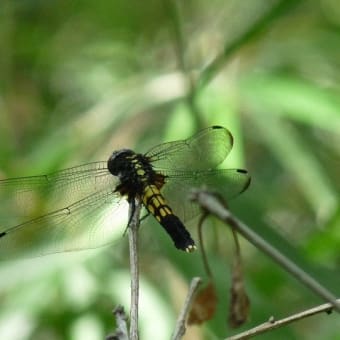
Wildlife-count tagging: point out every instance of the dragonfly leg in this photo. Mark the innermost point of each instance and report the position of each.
(144, 217)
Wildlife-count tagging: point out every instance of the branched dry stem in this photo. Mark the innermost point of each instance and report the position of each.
(213, 205)
(272, 323)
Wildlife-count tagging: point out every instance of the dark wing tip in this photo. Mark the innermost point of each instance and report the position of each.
(247, 183)
(3, 234)
(219, 127)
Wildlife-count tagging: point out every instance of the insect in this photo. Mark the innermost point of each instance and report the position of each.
(75, 208)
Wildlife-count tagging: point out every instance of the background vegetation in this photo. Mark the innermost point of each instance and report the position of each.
(79, 79)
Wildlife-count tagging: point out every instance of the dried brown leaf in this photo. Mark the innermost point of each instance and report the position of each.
(239, 301)
(204, 305)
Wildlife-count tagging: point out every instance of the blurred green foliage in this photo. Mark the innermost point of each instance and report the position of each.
(79, 79)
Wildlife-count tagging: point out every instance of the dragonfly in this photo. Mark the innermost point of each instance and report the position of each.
(75, 208)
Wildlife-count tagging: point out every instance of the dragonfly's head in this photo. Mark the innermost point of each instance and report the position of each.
(118, 160)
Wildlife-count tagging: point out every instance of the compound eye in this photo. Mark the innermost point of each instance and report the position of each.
(117, 161)
(113, 164)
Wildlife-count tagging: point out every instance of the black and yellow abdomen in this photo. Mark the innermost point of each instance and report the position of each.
(156, 205)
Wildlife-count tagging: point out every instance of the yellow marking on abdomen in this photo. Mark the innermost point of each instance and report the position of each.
(155, 203)
(167, 210)
(151, 209)
(162, 212)
(148, 192)
(160, 199)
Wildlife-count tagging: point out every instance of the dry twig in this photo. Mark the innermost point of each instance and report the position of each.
(134, 218)
(121, 332)
(180, 324)
(272, 323)
(212, 204)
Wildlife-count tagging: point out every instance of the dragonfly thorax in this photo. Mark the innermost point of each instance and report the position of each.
(133, 170)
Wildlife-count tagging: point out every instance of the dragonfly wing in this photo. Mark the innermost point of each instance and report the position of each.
(227, 182)
(205, 150)
(88, 223)
(29, 197)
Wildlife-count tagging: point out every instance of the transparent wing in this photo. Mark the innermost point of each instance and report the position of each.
(88, 223)
(205, 150)
(28, 197)
(67, 210)
(227, 182)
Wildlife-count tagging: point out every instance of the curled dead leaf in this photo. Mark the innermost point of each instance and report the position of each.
(204, 305)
